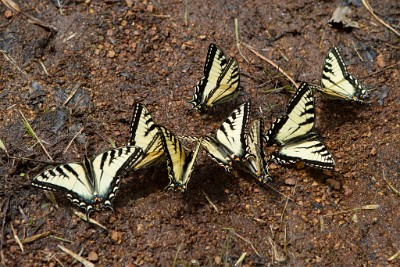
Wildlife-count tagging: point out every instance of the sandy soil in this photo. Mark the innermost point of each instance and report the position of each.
(109, 55)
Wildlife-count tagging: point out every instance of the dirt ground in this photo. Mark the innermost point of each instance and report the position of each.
(82, 78)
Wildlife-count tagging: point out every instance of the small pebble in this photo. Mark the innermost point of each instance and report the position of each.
(290, 181)
(111, 54)
(8, 14)
(93, 257)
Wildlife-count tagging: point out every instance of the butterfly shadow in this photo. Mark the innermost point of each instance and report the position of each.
(140, 184)
(339, 112)
(209, 184)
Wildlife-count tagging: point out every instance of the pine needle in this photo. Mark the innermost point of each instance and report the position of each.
(82, 260)
(240, 260)
(366, 207)
(369, 8)
(238, 39)
(16, 237)
(3, 147)
(210, 202)
(395, 256)
(389, 185)
(84, 218)
(244, 239)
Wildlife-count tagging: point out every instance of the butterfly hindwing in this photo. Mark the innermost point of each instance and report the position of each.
(220, 82)
(94, 182)
(229, 143)
(295, 136)
(146, 135)
(337, 82)
(310, 150)
(180, 163)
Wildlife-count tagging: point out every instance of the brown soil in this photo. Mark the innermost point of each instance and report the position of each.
(118, 52)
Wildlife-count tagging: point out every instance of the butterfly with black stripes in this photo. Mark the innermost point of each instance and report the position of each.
(337, 82)
(295, 135)
(220, 82)
(93, 183)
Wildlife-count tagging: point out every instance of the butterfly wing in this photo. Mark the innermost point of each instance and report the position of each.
(220, 81)
(311, 151)
(294, 134)
(180, 165)
(93, 182)
(227, 87)
(145, 134)
(254, 162)
(109, 167)
(337, 82)
(68, 178)
(298, 121)
(229, 143)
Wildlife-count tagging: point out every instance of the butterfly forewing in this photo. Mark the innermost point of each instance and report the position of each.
(91, 183)
(299, 119)
(227, 85)
(337, 82)
(145, 134)
(69, 178)
(111, 165)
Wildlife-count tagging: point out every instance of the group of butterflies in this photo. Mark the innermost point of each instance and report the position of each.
(93, 184)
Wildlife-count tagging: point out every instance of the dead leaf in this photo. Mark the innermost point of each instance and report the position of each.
(340, 18)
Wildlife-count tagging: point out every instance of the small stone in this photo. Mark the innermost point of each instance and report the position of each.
(333, 183)
(13, 249)
(380, 61)
(347, 191)
(373, 152)
(129, 3)
(111, 54)
(93, 257)
(202, 37)
(150, 8)
(8, 14)
(290, 181)
(116, 237)
(217, 260)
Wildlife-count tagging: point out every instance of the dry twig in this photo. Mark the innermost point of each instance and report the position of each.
(369, 8)
(17, 238)
(273, 64)
(84, 218)
(73, 138)
(36, 237)
(210, 202)
(82, 260)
